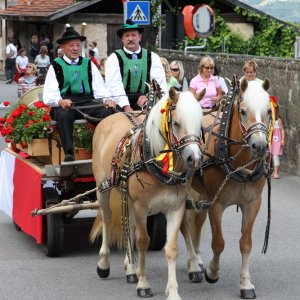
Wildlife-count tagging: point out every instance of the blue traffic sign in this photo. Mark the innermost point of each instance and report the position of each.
(138, 12)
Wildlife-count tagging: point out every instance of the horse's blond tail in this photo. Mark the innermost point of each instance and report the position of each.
(115, 232)
(97, 228)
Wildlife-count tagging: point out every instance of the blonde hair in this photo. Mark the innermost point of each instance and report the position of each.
(178, 64)
(43, 50)
(250, 64)
(166, 66)
(34, 68)
(205, 60)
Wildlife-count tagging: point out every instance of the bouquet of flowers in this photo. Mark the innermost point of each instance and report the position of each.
(23, 123)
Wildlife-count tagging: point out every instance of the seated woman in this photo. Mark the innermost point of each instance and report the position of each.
(21, 63)
(42, 61)
(205, 80)
(171, 80)
(177, 71)
(28, 81)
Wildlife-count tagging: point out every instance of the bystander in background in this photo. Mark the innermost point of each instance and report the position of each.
(177, 71)
(93, 46)
(42, 61)
(11, 53)
(205, 80)
(21, 63)
(28, 81)
(92, 58)
(171, 80)
(278, 141)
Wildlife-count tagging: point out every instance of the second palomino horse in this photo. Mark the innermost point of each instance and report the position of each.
(151, 166)
(234, 170)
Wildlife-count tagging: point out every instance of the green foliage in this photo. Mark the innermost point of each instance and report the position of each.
(83, 136)
(271, 38)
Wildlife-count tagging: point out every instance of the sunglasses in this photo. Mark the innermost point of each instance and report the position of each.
(208, 68)
(29, 67)
(174, 69)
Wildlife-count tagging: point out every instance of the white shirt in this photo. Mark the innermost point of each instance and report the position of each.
(42, 62)
(114, 82)
(96, 52)
(22, 62)
(223, 84)
(13, 48)
(51, 92)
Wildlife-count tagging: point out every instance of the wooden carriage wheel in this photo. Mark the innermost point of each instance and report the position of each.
(53, 225)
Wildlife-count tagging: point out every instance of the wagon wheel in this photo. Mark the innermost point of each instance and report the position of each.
(156, 226)
(18, 228)
(53, 233)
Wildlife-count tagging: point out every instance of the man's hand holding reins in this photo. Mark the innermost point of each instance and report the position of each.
(65, 103)
(110, 104)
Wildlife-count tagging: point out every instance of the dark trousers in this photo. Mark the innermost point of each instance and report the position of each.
(66, 118)
(10, 68)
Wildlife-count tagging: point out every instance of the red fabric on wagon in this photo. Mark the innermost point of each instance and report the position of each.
(27, 196)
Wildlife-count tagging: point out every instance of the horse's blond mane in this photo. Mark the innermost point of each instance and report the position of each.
(256, 98)
(190, 117)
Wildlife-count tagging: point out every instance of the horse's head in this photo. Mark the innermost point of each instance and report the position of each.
(255, 115)
(174, 126)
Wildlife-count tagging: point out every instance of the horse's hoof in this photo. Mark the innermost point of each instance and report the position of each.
(103, 273)
(195, 277)
(132, 278)
(201, 266)
(248, 294)
(209, 280)
(145, 293)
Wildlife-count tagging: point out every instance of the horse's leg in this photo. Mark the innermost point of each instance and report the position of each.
(217, 244)
(103, 266)
(174, 220)
(142, 244)
(128, 262)
(194, 270)
(249, 214)
(197, 235)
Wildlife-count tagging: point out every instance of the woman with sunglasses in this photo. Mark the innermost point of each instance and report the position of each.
(205, 80)
(177, 71)
(28, 81)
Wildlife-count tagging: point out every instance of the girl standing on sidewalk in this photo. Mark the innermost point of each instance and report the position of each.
(278, 141)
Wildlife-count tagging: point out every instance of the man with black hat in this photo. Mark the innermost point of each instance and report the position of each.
(73, 81)
(129, 69)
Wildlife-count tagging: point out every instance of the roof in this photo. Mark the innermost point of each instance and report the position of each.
(43, 10)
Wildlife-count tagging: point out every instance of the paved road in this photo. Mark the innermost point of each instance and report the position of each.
(26, 273)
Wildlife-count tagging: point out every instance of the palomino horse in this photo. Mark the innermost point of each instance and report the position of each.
(172, 129)
(236, 160)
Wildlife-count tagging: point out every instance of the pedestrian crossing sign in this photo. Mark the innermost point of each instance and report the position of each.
(138, 12)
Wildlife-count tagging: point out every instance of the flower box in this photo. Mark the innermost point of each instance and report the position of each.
(39, 148)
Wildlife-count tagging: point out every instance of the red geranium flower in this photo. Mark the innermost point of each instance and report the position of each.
(24, 123)
(6, 103)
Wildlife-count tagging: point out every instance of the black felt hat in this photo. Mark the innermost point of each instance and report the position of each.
(129, 25)
(70, 34)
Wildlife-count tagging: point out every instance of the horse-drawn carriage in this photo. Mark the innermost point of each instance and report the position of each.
(153, 164)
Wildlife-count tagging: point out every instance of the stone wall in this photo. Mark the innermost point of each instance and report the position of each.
(284, 75)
